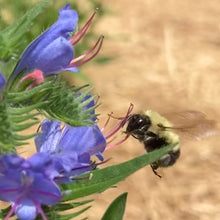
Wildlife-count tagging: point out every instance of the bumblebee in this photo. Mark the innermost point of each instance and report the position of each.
(155, 132)
(149, 128)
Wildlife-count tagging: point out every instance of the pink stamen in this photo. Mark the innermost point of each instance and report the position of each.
(118, 143)
(106, 123)
(95, 48)
(122, 122)
(78, 36)
(39, 209)
(13, 208)
(129, 111)
(110, 141)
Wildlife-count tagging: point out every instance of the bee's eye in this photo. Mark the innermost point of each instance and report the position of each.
(137, 122)
(141, 122)
(144, 121)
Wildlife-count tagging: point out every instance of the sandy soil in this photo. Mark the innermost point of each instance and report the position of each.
(167, 60)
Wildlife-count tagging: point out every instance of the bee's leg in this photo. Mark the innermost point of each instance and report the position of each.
(154, 170)
(137, 134)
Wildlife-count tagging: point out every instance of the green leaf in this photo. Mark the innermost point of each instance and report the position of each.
(29, 94)
(104, 178)
(55, 99)
(71, 205)
(4, 212)
(116, 210)
(73, 215)
(58, 211)
(67, 104)
(12, 120)
(11, 37)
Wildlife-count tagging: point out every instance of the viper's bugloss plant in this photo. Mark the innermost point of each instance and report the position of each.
(68, 140)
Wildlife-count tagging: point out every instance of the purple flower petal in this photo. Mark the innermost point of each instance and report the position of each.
(71, 69)
(48, 140)
(83, 139)
(44, 191)
(56, 56)
(2, 81)
(26, 210)
(26, 185)
(47, 51)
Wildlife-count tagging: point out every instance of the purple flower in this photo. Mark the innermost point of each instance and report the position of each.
(72, 148)
(53, 50)
(27, 184)
(2, 81)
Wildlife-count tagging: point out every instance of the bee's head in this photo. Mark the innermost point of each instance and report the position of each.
(138, 123)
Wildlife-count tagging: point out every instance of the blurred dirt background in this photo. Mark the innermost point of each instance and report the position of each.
(167, 60)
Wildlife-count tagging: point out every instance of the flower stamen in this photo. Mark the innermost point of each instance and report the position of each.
(107, 121)
(95, 50)
(117, 143)
(79, 35)
(13, 208)
(121, 123)
(39, 209)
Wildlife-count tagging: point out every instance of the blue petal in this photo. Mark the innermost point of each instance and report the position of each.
(100, 156)
(10, 177)
(40, 162)
(11, 161)
(53, 58)
(84, 158)
(2, 81)
(26, 210)
(48, 140)
(65, 24)
(65, 161)
(84, 139)
(75, 168)
(7, 183)
(71, 69)
(45, 191)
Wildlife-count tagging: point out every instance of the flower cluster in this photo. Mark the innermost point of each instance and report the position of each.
(63, 152)
(62, 155)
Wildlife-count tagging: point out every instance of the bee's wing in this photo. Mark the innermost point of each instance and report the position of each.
(186, 118)
(192, 125)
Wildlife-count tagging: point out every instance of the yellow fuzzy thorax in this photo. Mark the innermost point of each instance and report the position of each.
(168, 134)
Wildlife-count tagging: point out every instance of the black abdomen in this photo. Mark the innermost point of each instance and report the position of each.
(152, 141)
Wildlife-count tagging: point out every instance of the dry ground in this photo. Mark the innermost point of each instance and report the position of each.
(167, 60)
